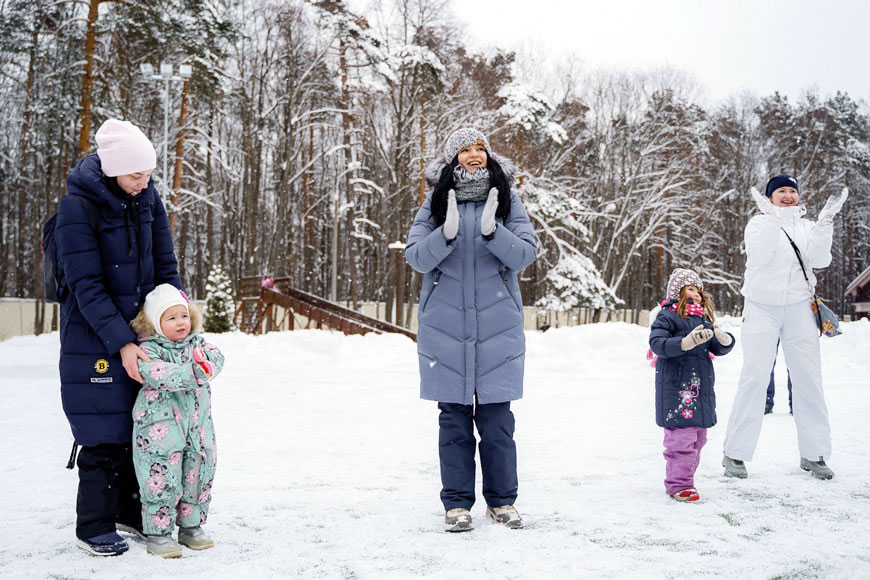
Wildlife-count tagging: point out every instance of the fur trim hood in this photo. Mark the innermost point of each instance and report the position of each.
(143, 328)
(433, 170)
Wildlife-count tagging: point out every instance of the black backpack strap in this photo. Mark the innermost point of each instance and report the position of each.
(806, 277)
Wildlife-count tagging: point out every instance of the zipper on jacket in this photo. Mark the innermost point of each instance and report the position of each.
(435, 278)
(502, 273)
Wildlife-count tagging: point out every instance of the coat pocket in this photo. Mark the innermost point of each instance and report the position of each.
(510, 376)
(503, 275)
(429, 371)
(436, 277)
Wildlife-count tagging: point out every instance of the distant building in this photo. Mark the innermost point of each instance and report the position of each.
(859, 292)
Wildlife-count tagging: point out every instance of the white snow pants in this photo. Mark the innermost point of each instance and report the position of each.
(794, 326)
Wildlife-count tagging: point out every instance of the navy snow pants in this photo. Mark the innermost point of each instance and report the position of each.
(108, 490)
(498, 454)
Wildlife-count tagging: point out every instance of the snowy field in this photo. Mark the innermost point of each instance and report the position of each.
(329, 469)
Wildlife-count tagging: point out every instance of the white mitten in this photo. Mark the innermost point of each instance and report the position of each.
(697, 337)
(487, 219)
(763, 203)
(451, 222)
(723, 337)
(832, 207)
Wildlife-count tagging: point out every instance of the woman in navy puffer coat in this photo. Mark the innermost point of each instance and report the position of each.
(683, 336)
(109, 270)
(469, 239)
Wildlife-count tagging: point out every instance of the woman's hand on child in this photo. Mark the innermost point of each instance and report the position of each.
(206, 365)
(451, 221)
(697, 337)
(487, 218)
(723, 337)
(131, 353)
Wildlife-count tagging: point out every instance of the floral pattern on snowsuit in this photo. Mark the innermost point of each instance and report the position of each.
(174, 451)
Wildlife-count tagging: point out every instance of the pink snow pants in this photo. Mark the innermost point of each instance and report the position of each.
(682, 454)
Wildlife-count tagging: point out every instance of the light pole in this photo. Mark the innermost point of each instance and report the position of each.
(166, 76)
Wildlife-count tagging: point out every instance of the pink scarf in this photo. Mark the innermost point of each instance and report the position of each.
(691, 309)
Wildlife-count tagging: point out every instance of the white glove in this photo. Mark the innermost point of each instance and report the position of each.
(487, 219)
(723, 337)
(763, 203)
(697, 337)
(451, 221)
(832, 207)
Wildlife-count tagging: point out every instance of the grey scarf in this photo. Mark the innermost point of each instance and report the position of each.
(471, 186)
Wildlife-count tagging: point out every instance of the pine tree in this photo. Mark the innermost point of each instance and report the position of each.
(219, 301)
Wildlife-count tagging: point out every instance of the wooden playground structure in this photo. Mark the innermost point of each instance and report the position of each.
(278, 306)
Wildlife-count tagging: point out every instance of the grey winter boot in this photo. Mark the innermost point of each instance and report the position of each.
(457, 520)
(818, 468)
(163, 546)
(734, 467)
(194, 538)
(507, 515)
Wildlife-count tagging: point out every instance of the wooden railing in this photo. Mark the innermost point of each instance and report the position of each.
(257, 311)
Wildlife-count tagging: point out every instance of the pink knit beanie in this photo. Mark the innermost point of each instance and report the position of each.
(123, 148)
(682, 277)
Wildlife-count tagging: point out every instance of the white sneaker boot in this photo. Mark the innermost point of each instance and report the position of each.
(457, 520)
(507, 515)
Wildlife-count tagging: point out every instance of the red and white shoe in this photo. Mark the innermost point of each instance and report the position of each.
(690, 494)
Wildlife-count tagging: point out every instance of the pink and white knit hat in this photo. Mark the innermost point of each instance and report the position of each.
(682, 277)
(123, 148)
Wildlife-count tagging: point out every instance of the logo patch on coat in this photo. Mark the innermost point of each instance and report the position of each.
(102, 379)
(101, 366)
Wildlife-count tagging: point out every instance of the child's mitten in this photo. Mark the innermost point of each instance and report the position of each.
(697, 337)
(723, 337)
(206, 365)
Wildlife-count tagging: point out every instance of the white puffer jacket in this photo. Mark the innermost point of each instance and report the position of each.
(773, 274)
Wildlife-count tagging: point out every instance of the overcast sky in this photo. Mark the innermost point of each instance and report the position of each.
(730, 45)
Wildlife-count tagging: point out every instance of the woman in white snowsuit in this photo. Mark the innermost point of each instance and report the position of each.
(777, 308)
(173, 435)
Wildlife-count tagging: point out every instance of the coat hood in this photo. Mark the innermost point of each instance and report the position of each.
(433, 170)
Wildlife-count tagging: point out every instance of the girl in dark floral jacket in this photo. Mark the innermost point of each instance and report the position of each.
(683, 336)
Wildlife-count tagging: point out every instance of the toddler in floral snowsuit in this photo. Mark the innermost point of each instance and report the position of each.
(173, 434)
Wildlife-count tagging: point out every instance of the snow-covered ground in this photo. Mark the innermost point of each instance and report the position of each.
(329, 469)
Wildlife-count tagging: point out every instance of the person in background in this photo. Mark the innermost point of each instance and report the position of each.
(771, 390)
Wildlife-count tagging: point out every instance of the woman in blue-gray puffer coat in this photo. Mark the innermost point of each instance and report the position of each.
(114, 244)
(470, 238)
